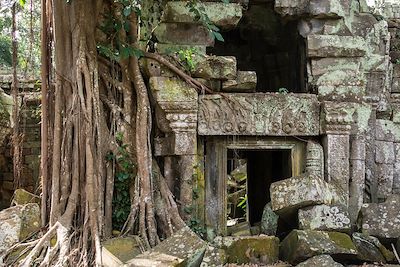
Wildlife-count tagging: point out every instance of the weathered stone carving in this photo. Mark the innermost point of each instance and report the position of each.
(337, 117)
(259, 114)
(176, 116)
(315, 159)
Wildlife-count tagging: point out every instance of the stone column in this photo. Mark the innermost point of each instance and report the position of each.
(176, 116)
(315, 159)
(336, 125)
(357, 176)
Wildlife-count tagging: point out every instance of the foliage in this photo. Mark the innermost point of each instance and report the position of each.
(123, 176)
(198, 9)
(28, 32)
(283, 91)
(243, 203)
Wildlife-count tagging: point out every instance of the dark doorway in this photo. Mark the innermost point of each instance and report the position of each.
(269, 44)
(250, 174)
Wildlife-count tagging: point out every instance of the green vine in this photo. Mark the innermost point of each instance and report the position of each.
(124, 174)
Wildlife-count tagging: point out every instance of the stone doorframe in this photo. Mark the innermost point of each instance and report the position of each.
(216, 171)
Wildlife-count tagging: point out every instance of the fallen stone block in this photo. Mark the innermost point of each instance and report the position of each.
(18, 223)
(289, 195)
(335, 46)
(223, 15)
(22, 197)
(214, 257)
(382, 220)
(257, 249)
(183, 34)
(370, 249)
(117, 251)
(215, 67)
(182, 247)
(320, 261)
(300, 245)
(269, 221)
(325, 218)
(246, 82)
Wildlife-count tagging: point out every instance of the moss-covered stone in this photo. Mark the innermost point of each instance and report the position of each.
(262, 249)
(21, 197)
(300, 245)
(320, 261)
(124, 248)
(226, 16)
(30, 220)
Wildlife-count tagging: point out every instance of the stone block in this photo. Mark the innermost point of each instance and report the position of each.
(335, 46)
(269, 221)
(168, 49)
(262, 249)
(315, 159)
(214, 257)
(396, 113)
(382, 220)
(384, 130)
(384, 176)
(329, 8)
(291, 7)
(384, 152)
(18, 223)
(183, 34)
(246, 81)
(300, 245)
(289, 195)
(321, 66)
(117, 251)
(22, 197)
(180, 248)
(215, 67)
(370, 249)
(396, 178)
(224, 16)
(325, 218)
(320, 261)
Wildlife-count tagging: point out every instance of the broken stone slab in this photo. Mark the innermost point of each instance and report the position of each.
(257, 249)
(320, 261)
(325, 218)
(370, 249)
(269, 221)
(183, 34)
(335, 46)
(246, 82)
(223, 15)
(22, 197)
(382, 220)
(289, 195)
(182, 247)
(215, 67)
(117, 251)
(300, 245)
(18, 223)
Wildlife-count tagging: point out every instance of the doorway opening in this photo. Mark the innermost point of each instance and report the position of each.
(270, 45)
(250, 174)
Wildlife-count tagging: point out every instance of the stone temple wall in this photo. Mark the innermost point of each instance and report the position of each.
(30, 125)
(349, 104)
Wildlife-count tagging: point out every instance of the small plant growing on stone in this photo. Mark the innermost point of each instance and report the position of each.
(283, 91)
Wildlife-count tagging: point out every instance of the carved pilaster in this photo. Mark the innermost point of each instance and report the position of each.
(176, 116)
(336, 122)
(315, 159)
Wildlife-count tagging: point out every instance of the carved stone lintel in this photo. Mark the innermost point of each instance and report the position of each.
(259, 114)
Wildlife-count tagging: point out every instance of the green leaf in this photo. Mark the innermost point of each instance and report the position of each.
(22, 3)
(218, 36)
